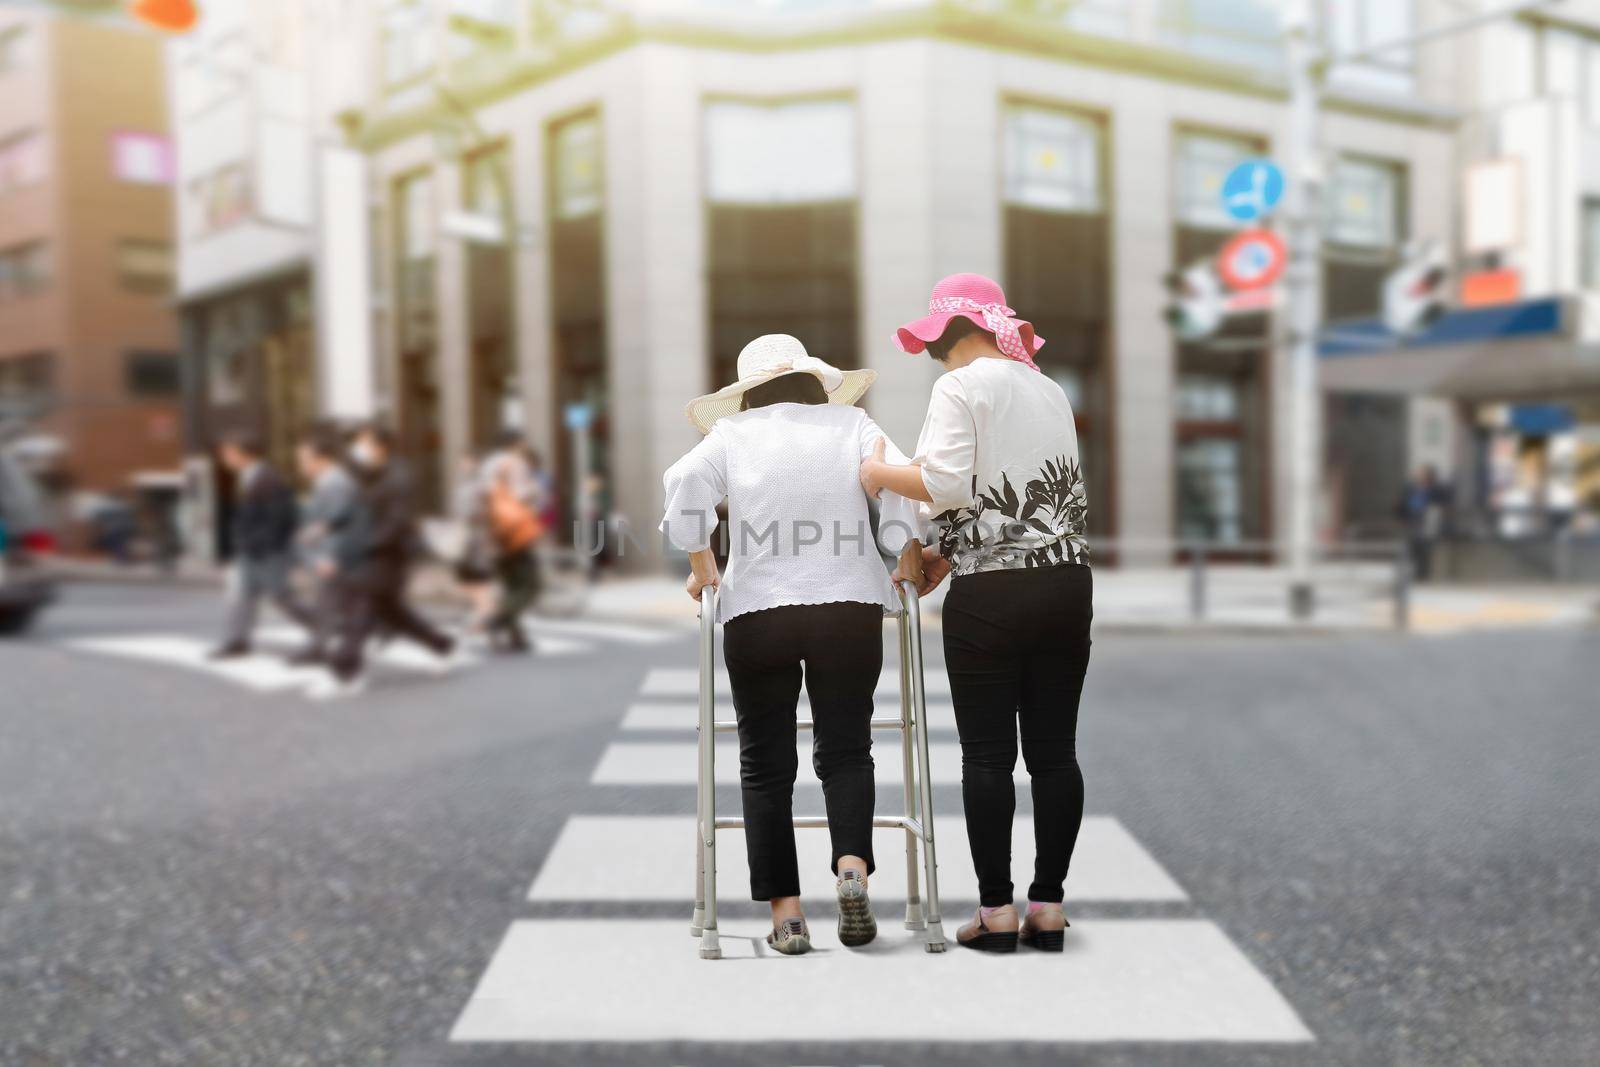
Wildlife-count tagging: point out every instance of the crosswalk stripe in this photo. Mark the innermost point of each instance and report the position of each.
(685, 682)
(608, 631)
(684, 717)
(652, 858)
(576, 980)
(674, 762)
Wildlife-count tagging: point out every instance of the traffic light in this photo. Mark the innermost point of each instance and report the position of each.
(173, 16)
(1414, 293)
(1197, 306)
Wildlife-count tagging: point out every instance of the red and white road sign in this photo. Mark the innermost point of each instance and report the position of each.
(1253, 259)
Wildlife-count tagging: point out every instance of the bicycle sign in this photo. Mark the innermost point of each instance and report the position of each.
(1252, 189)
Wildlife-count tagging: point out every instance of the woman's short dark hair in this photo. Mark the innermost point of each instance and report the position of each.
(954, 330)
(798, 388)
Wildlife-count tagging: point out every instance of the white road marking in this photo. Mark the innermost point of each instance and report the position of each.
(674, 762)
(683, 717)
(268, 672)
(606, 631)
(1120, 980)
(652, 858)
(685, 682)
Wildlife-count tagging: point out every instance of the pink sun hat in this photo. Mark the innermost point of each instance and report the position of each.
(979, 299)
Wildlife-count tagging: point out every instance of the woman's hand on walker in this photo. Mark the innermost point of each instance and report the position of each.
(695, 583)
(934, 570)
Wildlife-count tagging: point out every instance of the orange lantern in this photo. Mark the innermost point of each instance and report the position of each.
(174, 16)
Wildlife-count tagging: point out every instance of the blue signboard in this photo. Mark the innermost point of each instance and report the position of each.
(1252, 189)
(578, 416)
(1540, 317)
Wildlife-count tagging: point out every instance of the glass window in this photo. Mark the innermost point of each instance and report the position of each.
(16, 49)
(152, 374)
(24, 269)
(29, 379)
(416, 217)
(145, 266)
(141, 158)
(1052, 159)
(409, 41)
(1246, 32)
(1363, 204)
(787, 153)
(24, 160)
(1355, 24)
(578, 175)
(1207, 398)
(1203, 162)
(219, 200)
(1210, 497)
(1591, 244)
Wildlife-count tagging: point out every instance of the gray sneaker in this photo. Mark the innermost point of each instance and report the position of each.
(856, 923)
(791, 937)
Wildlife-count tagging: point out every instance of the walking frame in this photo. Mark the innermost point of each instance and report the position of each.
(917, 788)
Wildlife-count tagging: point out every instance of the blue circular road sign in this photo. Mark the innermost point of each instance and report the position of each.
(1252, 189)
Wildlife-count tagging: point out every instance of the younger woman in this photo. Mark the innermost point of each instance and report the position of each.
(997, 463)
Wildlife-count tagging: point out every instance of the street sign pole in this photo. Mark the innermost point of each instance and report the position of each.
(1304, 284)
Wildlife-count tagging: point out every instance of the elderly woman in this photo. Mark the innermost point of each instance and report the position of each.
(805, 588)
(997, 467)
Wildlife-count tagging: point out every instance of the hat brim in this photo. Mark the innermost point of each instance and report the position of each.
(913, 337)
(704, 411)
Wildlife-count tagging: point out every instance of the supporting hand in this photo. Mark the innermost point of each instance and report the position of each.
(871, 470)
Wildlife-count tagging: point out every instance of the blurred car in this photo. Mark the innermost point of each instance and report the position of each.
(24, 538)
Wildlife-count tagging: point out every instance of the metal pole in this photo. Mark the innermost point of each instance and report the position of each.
(706, 910)
(908, 792)
(1305, 293)
(1197, 582)
(1402, 587)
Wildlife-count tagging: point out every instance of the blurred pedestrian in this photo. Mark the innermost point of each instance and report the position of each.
(1421, 511)
(475, 559)
(997, 465)
(375, 597)
(264, 521)
(513, 497)
(550, 508)
(332, 538)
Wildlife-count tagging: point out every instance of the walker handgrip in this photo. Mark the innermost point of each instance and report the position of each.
(911, 562)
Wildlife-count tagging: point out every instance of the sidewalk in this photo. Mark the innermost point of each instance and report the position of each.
(1246, 599)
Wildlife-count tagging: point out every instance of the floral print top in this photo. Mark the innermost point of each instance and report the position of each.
(999, 457)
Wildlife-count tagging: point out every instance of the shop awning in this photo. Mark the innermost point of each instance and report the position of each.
(1528, 349)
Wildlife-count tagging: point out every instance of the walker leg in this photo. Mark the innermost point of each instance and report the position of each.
(706, 806)
(935, 941)
(914, 918)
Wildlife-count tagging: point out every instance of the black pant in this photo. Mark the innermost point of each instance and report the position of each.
(519, 588)
(841, 646)
(1016, 644)
(373, 601)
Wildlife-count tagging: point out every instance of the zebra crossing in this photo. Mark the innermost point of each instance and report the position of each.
(597, 957)
(267, 669)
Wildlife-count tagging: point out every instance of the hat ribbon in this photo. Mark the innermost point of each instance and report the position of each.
(999, 319)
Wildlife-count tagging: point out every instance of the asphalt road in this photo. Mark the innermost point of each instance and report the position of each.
(1397, 837)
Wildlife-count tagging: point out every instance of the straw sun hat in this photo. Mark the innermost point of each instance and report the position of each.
(772, 356)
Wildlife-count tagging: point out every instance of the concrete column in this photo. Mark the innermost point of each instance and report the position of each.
(533, 343)
(1141, 213)
(453, 342)
(655, 279)
(896, 228)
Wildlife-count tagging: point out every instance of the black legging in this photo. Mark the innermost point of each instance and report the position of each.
(1016, 644)
(841, 646)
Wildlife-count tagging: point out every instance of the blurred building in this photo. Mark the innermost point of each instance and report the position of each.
(684, 176)
(1510, 367)
(266, 191)
(88, 342)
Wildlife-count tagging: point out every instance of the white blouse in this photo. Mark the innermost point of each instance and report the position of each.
(999, 456)
(798, 529)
